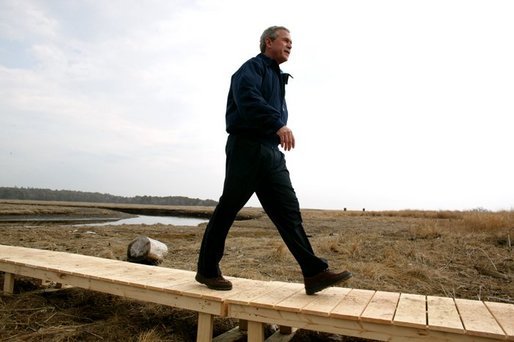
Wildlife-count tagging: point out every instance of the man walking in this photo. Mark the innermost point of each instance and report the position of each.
(256, 120)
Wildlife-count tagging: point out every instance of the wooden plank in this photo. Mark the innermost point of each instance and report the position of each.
(269, 299)
(8, 283)
(325, 301)
(195, 289)
(317, 323)
(477, 319)
(51, 259)
(122, 272)
(245, 289)
(353, 304)
(126, 269)
(100, 268)
(255, 290)
(166, 285)
(504, 315)
(81, 264)
(168, 282)
(29, 256)
(13, 252)
(69, 264)
(205, 327)
(155, 296)
(381, 307)
(160, 280)
(164, 282)
(295, 303)
(398, 333)
(411, 311)
(442, 315)
(279, 336)
(113, 273)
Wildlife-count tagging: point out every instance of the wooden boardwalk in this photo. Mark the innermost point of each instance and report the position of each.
(369, 314)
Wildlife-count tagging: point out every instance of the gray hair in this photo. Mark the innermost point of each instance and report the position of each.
(270, 32)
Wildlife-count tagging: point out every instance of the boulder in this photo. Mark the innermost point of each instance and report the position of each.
(144, 250)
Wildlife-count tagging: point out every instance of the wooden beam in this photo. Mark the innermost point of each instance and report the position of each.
(280, 336)
(234, 334)
(285, 330)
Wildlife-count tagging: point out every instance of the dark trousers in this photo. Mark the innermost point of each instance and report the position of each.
(257, 167)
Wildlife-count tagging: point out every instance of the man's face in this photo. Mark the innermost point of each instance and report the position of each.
(280, 48)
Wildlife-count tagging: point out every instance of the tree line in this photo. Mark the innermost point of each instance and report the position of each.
(35, 194)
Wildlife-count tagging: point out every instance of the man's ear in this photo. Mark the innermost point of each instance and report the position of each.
(269, 41)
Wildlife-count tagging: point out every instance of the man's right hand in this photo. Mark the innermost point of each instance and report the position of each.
(286, 138)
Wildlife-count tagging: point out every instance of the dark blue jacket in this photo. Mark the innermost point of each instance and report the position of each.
(256, 106)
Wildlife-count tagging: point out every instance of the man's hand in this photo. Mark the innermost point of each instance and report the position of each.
(286, 138)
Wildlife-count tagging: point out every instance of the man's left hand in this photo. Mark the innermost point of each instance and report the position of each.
(286, 138)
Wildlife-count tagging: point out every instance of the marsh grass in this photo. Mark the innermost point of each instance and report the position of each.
(477, 221)
(151, 335)
(448, 253)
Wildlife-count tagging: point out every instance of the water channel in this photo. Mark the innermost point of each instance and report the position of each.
(143, 219)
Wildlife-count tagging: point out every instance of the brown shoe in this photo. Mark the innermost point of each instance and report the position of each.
(323, 280)
(218, 283)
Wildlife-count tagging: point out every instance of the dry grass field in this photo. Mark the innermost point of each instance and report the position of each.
(444, 253)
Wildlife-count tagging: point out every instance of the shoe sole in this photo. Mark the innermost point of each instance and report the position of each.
(344, 277)
(213, 287)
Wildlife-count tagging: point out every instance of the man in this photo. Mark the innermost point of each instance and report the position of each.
(256, 120)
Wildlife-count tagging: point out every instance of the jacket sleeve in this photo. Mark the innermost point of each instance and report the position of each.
(251, 102)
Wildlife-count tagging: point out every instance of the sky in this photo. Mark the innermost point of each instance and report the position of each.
(394, 104)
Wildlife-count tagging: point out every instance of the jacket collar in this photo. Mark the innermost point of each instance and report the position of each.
(267, 60)
(271, 62)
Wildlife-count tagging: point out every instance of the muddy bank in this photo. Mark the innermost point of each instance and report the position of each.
(35, 209)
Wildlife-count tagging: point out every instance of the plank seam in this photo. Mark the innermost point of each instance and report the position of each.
(460, 316)
(496, 320)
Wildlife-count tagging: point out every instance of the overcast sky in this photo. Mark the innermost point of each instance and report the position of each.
(394, 104)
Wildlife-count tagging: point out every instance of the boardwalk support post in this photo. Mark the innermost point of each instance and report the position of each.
(205, 327)
(255, 331)
(8, 283)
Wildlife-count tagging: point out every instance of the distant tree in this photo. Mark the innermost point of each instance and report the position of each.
(96, 197)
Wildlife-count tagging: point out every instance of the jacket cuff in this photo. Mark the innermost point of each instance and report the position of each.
(278, 125)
